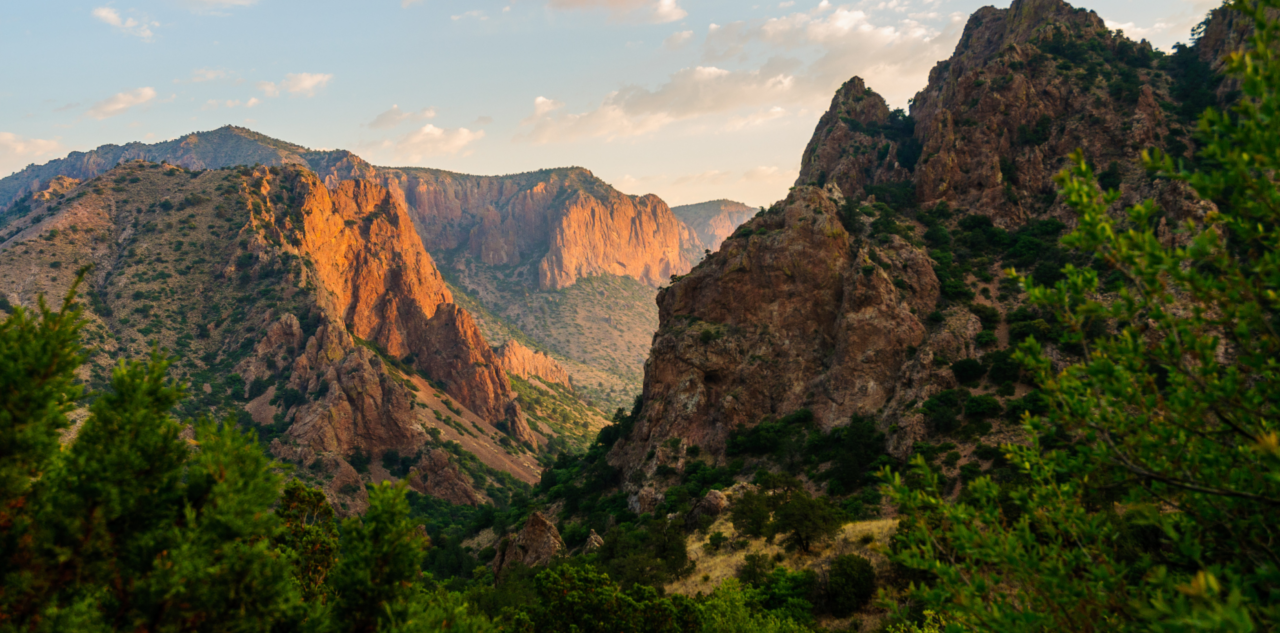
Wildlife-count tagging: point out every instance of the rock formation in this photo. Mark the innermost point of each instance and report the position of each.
(806, 306)
(711, 222)
(521, 361)
(388, 291)
(561, 224)
(781, 318)
(536, 544)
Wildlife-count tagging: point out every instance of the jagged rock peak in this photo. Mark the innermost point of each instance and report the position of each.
(536, 544)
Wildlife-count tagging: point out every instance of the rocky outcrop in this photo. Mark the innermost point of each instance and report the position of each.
(536, 544)
(706, 509)
(789, 314)
(711, 222)
(997, 120)
(594, 542)
(521, 361)
(854, 145)
(437, 476)
(57, 186)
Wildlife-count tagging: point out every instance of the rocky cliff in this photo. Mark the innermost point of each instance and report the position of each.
(517, 359)
(554, 226)
(711, 222)
(872, 290)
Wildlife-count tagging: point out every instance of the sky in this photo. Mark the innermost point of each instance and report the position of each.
(692, 100)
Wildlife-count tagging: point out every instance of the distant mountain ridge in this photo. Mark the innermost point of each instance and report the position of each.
(714, 220)
(519, 240)
(563, 223)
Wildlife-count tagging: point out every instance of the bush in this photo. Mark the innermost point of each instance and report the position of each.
(717, 540)
(755, 569)
(989, 316)
(851, 583)
(807, 521)
(259, 386)
(982, 407)
(750, 513)
(360, 460)
(968, 371)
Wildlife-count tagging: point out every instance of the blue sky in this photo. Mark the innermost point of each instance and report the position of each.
(688, 99)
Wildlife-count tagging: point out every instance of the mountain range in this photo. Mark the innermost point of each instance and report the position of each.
(335, 303)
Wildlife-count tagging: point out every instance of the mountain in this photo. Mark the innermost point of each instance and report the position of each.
(555, 226)
(514, 246)
(309, 311)
(713, 221)
(874, 291)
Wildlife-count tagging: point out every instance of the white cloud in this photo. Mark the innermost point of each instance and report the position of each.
(656, 11)
(677, 40)
(217, 6)
(432, 141)
(807, 56)
(16, 152)
(120, 102)
(405, 4)
(305, 84)
(395, 116)
(477, 14)
(756, 118)
(201, 75)
(768, 173)
(710, 177)
(214, 104)
(128, 26)
(635, 110)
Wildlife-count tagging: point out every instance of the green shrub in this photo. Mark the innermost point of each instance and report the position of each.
(851, 583)
(982, 407)
(968, 370)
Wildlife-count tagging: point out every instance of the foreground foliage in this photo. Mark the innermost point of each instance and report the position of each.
(148, 523)
(1149, 497)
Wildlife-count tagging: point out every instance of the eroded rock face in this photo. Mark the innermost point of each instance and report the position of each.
(848, 148)
(517, 359)
(563, 223)
(437, 476)
(711, 222)
(781, 318)
(366, 255)
(536, 544)
(594, 542)
(998, 119)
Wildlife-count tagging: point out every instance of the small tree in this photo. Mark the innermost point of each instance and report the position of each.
(851, 583)
(807, 521)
